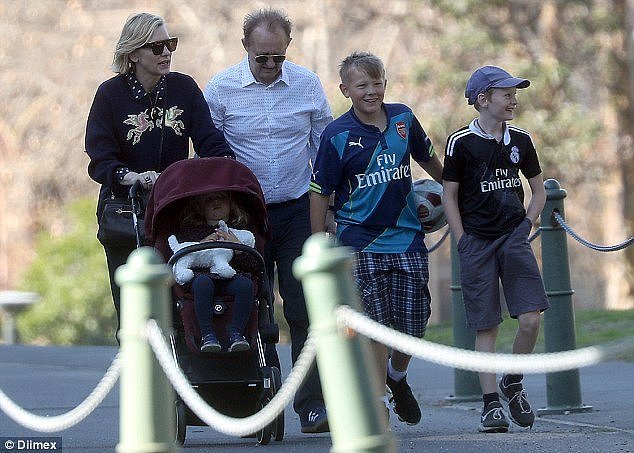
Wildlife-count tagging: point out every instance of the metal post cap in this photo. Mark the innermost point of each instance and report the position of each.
(320, 254)
(554, 190)
(144, 265)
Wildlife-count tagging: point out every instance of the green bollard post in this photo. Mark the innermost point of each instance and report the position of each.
(146, 407)
(563, 389)
(347, 367)
(466, 383)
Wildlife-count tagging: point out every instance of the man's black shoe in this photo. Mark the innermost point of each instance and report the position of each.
(314, 420)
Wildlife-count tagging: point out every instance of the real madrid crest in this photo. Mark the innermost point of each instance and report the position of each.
(515, 154)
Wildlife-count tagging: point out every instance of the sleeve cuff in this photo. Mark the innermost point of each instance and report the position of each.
(120, 173)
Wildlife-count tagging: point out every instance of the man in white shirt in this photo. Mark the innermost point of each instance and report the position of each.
(272, 113)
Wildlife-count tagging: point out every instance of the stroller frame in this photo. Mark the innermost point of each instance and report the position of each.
(260, 376)
(263, 387)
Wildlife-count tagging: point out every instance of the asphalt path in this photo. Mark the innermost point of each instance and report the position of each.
(54, 380)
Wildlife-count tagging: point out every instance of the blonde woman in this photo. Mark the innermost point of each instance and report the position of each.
(143, 119)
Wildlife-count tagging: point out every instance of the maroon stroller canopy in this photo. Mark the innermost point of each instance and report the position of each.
(197, 176)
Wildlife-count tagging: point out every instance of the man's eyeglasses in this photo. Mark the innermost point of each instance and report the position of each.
(277, 59)
(157, 46)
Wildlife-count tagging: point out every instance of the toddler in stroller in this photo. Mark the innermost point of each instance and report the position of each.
(203, 219)
(230, 317)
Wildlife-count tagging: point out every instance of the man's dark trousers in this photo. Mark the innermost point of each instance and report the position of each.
(290, 227)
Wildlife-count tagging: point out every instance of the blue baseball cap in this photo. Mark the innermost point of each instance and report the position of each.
(488, 77)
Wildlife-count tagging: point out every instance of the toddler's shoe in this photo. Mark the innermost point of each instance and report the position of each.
(210, 344)
(238, 343)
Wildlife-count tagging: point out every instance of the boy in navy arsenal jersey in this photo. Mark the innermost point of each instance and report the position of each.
(484, 205)
(364, 159)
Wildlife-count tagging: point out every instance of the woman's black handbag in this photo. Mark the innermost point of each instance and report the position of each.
(117, 227)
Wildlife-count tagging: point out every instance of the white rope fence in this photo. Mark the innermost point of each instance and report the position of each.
(220, 422)
(478, 361)
(71, 418)
(346, 317)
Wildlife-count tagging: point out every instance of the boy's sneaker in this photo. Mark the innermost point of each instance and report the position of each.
(210, 344)
(520, 411)
(493, 419)
(405, 405)
(238, 343)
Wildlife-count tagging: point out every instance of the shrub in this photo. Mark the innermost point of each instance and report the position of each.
(70, 275)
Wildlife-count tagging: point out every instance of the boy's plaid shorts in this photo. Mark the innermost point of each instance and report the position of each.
(393, 289)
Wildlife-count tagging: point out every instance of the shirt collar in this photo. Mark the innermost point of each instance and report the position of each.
(474, 127)
(370, 126)
(249, 79)
(139, 92)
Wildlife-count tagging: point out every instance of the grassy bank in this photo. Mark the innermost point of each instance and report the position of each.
(592, 327)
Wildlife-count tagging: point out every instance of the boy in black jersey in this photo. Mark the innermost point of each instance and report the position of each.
(484, 204)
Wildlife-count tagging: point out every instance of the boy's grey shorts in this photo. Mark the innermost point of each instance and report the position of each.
(509, 258)
(393, 289)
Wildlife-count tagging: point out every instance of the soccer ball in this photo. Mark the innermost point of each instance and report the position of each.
(428, 197)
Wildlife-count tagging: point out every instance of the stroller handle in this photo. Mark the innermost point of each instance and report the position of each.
(134, 190)
(218, 245)
(136, 210)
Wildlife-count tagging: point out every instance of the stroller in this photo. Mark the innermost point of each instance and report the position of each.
(237, 384)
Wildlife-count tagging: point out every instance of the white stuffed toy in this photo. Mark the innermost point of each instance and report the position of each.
(217, 260)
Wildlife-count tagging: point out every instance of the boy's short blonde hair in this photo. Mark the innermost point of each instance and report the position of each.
(364, 62)
(487, 94)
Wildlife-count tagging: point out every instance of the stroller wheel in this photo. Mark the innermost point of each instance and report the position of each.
(278, 431)
(264, 435)
(181, 422)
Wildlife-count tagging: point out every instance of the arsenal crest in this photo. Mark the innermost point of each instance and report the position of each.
(400, 128)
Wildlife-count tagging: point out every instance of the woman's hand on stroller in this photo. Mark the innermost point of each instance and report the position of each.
(146, 179)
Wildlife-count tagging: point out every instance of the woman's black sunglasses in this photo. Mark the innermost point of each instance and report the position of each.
(157, 46)
(277, 59)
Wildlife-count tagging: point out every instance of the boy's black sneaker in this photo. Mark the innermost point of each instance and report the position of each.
(404, 403)
(520, 411)
(493, 419)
